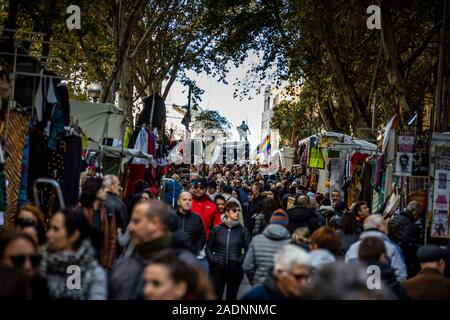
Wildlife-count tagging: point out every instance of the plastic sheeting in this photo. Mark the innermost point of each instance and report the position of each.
(98, 120)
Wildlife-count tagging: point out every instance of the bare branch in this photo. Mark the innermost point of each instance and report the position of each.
(151, 28)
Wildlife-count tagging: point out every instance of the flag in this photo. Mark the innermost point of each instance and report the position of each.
(187, 119)
(265, 145)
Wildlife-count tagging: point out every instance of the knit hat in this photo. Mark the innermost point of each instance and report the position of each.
(279, 217)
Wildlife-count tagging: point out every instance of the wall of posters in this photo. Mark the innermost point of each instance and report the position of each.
(441, 203)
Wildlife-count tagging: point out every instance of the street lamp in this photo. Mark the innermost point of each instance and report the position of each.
(94, 90)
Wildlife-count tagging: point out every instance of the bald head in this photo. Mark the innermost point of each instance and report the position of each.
(184, 202)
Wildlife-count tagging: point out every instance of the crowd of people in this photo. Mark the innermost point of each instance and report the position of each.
(233, 233)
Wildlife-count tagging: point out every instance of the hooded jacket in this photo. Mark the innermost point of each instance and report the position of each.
(303, 217)
(227, 245)
(259, 258)
(229, 198)
(393, 253)
(207, 210)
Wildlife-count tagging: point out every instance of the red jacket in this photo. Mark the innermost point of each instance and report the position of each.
(207, 210)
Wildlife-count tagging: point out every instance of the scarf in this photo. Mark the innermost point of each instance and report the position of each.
(55, 266)
(150, 249)
(230, 223)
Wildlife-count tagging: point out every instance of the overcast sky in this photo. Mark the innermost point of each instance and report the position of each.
(219, 97)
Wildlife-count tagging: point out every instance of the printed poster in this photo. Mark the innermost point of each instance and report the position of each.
(405, 150)
(441, 204)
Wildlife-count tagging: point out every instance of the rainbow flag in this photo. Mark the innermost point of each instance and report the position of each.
(265, 145)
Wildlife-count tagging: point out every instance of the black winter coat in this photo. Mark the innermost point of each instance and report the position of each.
(115, 206)
(192, 225)
(300, 217)
(227, 247)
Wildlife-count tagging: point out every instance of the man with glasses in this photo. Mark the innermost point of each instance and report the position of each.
(287, 279)
(204, 207)
(207, 210)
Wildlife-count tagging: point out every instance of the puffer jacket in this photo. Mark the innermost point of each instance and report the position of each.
(207, 210)
(393, 253)
(227, 246)
(192, 225)
(259, 258)
(303, 217)
(55, 266)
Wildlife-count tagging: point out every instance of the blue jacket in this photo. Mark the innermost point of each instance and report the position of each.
(243, 195)
(171, 195)
(267, 291)
(393, 253)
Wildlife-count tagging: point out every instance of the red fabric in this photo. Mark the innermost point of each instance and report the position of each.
(207, 210)
(135, 172)
(151, 143)
(357, 159)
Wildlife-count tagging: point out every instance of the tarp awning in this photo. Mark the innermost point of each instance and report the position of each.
(98, 120)
(340, 141)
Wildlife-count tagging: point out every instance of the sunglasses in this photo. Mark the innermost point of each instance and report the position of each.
(235, 210)
(19, 260)
(20, 222)
(199, 187)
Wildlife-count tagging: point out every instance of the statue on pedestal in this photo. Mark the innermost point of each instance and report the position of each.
(243, 131)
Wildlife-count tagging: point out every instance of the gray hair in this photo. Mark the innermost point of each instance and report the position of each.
(342, 281)
(108, 180)
(290, 255)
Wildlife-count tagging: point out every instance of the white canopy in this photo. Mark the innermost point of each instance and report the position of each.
(98, 120)
(343, 142)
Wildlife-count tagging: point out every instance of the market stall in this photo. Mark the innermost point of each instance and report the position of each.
(332, 161)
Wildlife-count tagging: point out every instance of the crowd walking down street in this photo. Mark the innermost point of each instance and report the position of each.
(219, 247)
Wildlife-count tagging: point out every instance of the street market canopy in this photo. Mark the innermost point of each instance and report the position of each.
(98, 120)
(340, 142)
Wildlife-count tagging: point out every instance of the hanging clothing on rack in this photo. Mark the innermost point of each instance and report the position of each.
(134, 172)
(72, 170)
(23, 197)
(39, 98)
(141, 144)
(64, 104)
(127, 138)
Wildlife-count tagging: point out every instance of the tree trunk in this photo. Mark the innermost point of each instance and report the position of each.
(126, 90)
(13, 10)
(346, 88)
(395, 66)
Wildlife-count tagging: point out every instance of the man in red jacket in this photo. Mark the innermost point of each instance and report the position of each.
(204, 207)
